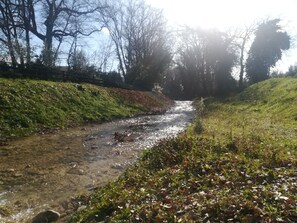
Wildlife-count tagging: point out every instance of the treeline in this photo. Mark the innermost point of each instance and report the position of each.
(206, 59)
(140, 49)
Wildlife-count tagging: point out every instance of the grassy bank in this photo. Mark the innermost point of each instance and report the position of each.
(28, 106)
(237, 163)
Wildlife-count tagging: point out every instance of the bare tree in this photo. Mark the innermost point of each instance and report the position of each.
(9, 25)
(60, 20)
(48, 20)
(242, 37)
(140, 39)
(25, 16)
(104, 56)
(113, 19)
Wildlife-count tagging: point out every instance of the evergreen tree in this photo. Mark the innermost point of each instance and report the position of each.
(266, 50)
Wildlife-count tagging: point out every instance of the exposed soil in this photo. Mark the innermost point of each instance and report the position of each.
(48, 171)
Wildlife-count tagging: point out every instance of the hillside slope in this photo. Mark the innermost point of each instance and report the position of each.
(277, 97)
(29, 106)
(266, 110)
(237, 163)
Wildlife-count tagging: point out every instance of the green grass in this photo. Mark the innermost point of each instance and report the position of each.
(29, 106)
(237, 163)
(265, 112)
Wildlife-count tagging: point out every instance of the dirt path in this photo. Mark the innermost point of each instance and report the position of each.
(46, 171)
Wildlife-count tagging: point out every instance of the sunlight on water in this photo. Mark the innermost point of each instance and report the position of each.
(2, 199)
(159, 127)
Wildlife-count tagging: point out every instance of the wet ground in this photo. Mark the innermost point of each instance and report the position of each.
(46, 171)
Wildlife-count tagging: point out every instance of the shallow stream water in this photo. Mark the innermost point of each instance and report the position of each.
(44, 172)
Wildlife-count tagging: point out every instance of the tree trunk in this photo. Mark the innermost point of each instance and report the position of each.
(48, 41)
(11, 51)
(28, 47)
(241, 64)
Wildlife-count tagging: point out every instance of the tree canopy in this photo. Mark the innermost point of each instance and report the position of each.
(205, 60)
(269, 43)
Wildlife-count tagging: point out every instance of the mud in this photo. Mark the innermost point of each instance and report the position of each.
(44, 172)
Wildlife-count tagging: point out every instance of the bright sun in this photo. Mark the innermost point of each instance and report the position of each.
(217, 13)
(206, 14)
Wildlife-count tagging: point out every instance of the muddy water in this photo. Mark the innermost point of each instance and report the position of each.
(45, 171)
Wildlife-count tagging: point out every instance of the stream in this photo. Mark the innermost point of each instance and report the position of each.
(47, 171)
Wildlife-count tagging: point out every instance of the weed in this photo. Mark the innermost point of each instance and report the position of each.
(198, 127)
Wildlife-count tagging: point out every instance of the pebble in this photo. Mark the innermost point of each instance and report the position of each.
(46, 216)
(76, 171)
(117, 166)
(34, 172)
(81, 208)
(18, 175)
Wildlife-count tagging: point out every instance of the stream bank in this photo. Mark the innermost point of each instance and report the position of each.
(44, 171)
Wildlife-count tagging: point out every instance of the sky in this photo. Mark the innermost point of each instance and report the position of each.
(226, 14)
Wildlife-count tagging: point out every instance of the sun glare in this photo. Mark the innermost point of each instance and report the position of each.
(206, 14)
(225, 14)
(217, 13)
